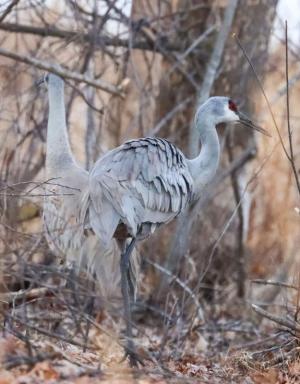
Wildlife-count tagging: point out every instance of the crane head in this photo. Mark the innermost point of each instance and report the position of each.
(233, 114)
(244, 119)
(50, 78)
(42, 80)
(221, 109)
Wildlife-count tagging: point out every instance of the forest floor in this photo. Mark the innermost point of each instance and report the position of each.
(227, 349)
(71, 365)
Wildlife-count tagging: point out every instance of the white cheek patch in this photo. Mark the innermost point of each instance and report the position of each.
(230, 115)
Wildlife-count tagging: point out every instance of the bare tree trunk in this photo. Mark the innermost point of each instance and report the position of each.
(211, 70)
(234, 79)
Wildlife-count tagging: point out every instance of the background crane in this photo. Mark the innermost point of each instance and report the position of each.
(67, 182)
(131, 190)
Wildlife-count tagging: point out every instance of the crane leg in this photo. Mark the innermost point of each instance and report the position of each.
(127, 293)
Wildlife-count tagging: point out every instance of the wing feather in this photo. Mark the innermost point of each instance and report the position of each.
(145, 180)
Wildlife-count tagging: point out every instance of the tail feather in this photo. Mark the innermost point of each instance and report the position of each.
(105, 266)
(102, 258)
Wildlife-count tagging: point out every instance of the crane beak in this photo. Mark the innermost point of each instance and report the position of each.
(249, 123)
(42, 80)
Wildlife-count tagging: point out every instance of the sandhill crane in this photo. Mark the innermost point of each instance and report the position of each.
(68, 184)
(137, 187)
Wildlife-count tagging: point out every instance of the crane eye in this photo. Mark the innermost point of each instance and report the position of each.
(232, 106)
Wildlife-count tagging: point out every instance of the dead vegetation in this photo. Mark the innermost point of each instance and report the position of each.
(134, 72)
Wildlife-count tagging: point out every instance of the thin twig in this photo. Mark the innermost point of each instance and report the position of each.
(272, 282)
(196, 42)
(291, 158)
(179, 107)
(255, 343)
(264, 94)
(180, 283)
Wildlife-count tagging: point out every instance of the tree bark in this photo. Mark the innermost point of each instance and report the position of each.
(252, 23)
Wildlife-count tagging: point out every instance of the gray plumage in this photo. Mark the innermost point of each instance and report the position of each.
(147, 182)
(128, 194)
(62, 212)
(142, 184)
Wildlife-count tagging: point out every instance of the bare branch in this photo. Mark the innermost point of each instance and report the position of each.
(179, 107)
(211, 69)
(184, 55)
(272, 282)
(277, 319)
(181, 284)
(63, 72)
(8, 10)
(98, 41)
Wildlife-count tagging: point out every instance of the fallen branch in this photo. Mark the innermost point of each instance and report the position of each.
(88, 369)
(9, 297)
(292, 325)
(281, 358)
(272, 282)
(50, 334)
(16, 361)
(63, 72)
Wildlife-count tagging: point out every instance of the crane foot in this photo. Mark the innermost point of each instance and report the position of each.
(134, 358)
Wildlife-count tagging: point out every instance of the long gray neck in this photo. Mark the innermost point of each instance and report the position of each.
(59, 155)
(203, 168)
